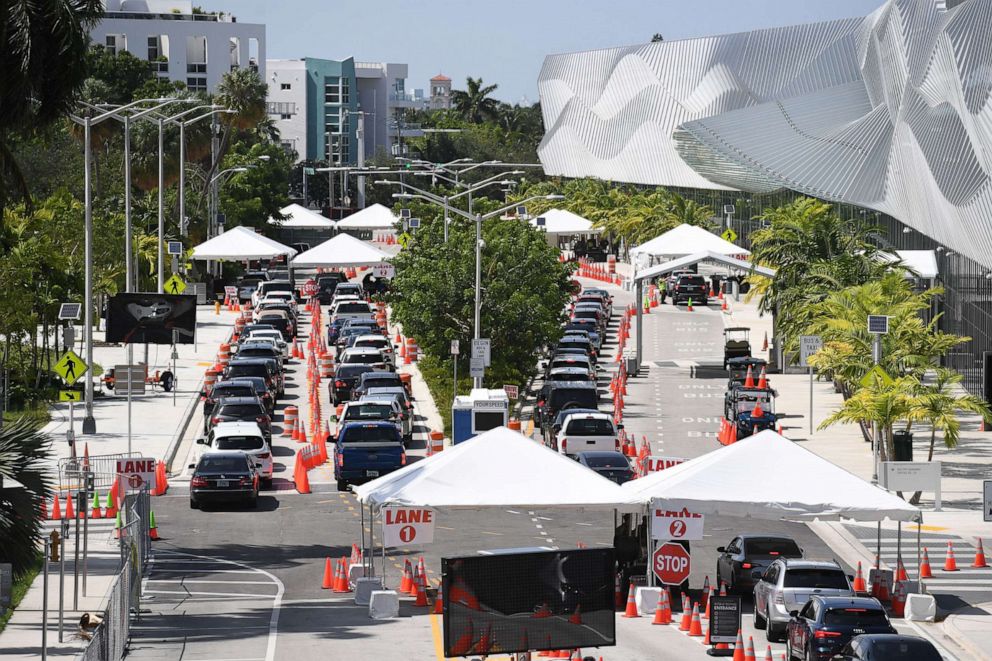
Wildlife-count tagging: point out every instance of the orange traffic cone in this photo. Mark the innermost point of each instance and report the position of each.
(407, 579)
(69, 512)
(152, 527)
(56, 509)
(663, 611)
(768, 654)
(576, 617)
(901, 572)
(764, 345)
(739, 645)
(328, 582)
(704, 598)
(421, 594)
(686, 622)
(749, 650)
(859, 580)
(709, 601)
(723, 305)
(689, 307)
(618, 600)
(749, 379)
(345, 583)
(762, 380)
(925, 565)
(950, 564)
(979, 563)
(631, 610)
(696, 625)
(439, 602)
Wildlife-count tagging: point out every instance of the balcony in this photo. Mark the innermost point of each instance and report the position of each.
(150, 16)
(280, 108)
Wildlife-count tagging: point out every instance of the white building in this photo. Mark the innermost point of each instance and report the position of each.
(193, 48)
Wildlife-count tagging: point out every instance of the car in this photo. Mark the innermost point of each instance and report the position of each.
(572, 360)
(583, 432)
(268, 307)
(260, 349)
(394, 390)
(220, 391)
(345, 377)
(377, 341)
(357, 309)
(788, 583)
(560, 418)
(401, 416)
(241, 409)
(262, 391)
(587, 312)
(280, 322)
(578, 340)
(690, 287)
(375, 410)
(248, 283)
(223, 477)
(603, 295)
(326, 284)
(267, 286)
(575, 351)
(248, 366)
(279, 297)
(268, 334)
(577, 373)
(555, 396)
(246, 437)
(366, 450)
(888, 647)
(588, 326)
(364, 356)
(349, 289)
(611, 465)
(825, 624)
(742, 562)
(376, 380)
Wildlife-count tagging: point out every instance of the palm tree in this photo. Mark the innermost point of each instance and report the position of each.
(25, 485)
(879, 405)
(243, 91)
(43, 59)
(474, 103)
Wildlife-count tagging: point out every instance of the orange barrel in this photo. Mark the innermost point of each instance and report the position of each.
(411, 350)
(224, 354)
(327, 366)
(380, 319)
(209, 380)
(513, 424)
(289, 417)
(436, 442)
(611, 264)
(407, 381)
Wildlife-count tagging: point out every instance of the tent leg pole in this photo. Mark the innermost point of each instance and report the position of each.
(898, 544)
(639, 306)
(363, 537)
(371, 541)
(878, 547)
(919, 560)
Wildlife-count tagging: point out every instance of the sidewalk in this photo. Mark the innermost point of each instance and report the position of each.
(157, 418)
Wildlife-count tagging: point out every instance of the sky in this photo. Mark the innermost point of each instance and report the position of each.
(503, 42)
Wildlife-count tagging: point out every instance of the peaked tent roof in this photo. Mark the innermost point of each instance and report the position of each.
(241, 243)
(561, 221)
(728, 482)
(342, 251)
(375, 217)
(687, 240)
(299, 217)
(499, 468)
(689, 260)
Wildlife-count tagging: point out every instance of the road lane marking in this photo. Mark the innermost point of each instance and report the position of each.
(240, 595)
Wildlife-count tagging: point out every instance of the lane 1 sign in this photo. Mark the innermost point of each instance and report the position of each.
(671, 564)
(407, 526)
(679, 525)
(657, 463)
(137, 473)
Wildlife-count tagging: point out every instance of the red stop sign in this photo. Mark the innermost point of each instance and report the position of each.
(671, 564)
(310, 288)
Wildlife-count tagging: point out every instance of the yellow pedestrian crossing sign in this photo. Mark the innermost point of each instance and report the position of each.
(175, 285)
(403, 239)
(70, 396)
(876, 373)
(729, 235)
(71, 367)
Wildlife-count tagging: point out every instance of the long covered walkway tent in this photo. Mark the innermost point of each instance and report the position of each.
(341, 251)
(498, 468)
(805, 486)
(241, 243)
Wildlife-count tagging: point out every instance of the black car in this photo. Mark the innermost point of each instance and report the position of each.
(280, 323)
(690, 287)
(888, 647)
(345, 378)
(555, 396)
(220, 391)
(262, 391)
(223, 477)
(611, 465)
(326, 284)
(749, 555)
(265, 368)
(826, 624)
(376, 380)
(577, 342)
(238, 409)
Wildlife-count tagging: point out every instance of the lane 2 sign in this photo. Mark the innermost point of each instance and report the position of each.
(407, 526)
(679, 525)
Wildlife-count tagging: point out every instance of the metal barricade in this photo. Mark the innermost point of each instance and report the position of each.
(72, 470)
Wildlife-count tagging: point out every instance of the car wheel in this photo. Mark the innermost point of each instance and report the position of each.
(761, 622)
(772, 633)
(342, 485)
(193, 505)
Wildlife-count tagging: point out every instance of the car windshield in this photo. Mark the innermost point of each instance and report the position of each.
(349, 307)
(569, 362)
(370, 433)
(365, 358)
(368, 412)
(278, 322)
(582, 397)
(276, 286)
(237, 390)
(390, 379)
(258, 369)
(586, 313)
(589, 427)
(856, 617)
(815, 577)
(606, 461)
(350, 370)
(771, 547)
(263, 352)
(240, 443)
(223, 464)
(571, 376)
(377, 342)
(694, 280)
(898, 650)
(240, 410)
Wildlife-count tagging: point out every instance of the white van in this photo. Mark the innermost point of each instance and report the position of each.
(244, 436)
(581, 432)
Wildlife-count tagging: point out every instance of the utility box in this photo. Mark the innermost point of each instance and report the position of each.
(477, 412)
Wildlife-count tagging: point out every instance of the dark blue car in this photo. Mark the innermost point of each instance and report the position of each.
(367, 450)
(826, 624)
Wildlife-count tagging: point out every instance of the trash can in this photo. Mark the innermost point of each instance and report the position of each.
(903, 441)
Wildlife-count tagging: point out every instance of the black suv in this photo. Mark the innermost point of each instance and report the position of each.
(825, 624)
(345, 378)
(326, 284)
(558, 395)
(690, 287)
(241, 409)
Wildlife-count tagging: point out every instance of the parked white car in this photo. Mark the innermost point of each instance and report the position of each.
(273, 335)
(582, 432)
(244, 436)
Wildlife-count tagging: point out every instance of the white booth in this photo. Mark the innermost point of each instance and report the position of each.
(479, 411)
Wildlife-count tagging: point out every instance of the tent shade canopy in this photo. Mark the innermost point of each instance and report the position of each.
(498, 468)
(343, 250)
(923, 263)
(375, 217)
(734, 481)
(687, 240)
(299, 217)
(705, 256)
(241, 243)
(560, 221)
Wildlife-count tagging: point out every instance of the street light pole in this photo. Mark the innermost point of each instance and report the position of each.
(161, 206)
(477, 381)
(128, 239)
(89, 422)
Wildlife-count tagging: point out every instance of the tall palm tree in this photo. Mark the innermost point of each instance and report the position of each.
(25, 485)
(243, 91)
(474, 103)
(43, 59)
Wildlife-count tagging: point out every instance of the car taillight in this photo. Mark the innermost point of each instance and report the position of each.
(540, 402)
(245, 481)
(827, 634)
(214, 420)
(616, 442)
(564, 443)
(746, 565)
(403, 459)
(339, 384)
(340, 459)
(780, 598)
(198, 482)
(264, 455)
(262, 419)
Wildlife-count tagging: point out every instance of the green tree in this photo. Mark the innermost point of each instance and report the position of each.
(879, 405)
(121, 72)
(524, 290)
(251, 198)
(243, 91)
(474, 102)
(25, 486)
(42, 56)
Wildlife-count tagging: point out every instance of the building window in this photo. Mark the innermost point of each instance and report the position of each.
(153, 49)
(285, 116)
(344, 91)
(288, 146)
(196, 84)
(332, 90)
(285, 86)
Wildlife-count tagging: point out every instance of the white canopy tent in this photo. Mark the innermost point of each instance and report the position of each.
(687, 240)
(706, 255)
(375, 217)
(499, 468)
(561, 221)
(299, 217)
(923, 263)
(341, 251)
(734, 481)
(240, 243)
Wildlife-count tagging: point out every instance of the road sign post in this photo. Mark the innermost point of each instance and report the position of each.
(878, 325)
(809, 345)
(454, 361)
(987, 491)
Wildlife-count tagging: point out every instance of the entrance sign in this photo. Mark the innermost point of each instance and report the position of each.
(137, 473)
(725, 619)
(383, 270)
(672, 564)
(678, 525)
(407, 526)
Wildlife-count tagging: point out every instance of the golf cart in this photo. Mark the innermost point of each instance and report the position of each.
(736, 343)
(752, 410)
(737, 368)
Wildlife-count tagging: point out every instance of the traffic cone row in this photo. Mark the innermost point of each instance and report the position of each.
(728, 432)
(663, 611)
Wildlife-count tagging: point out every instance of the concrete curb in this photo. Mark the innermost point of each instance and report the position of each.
(964, 639)
(177, 439)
